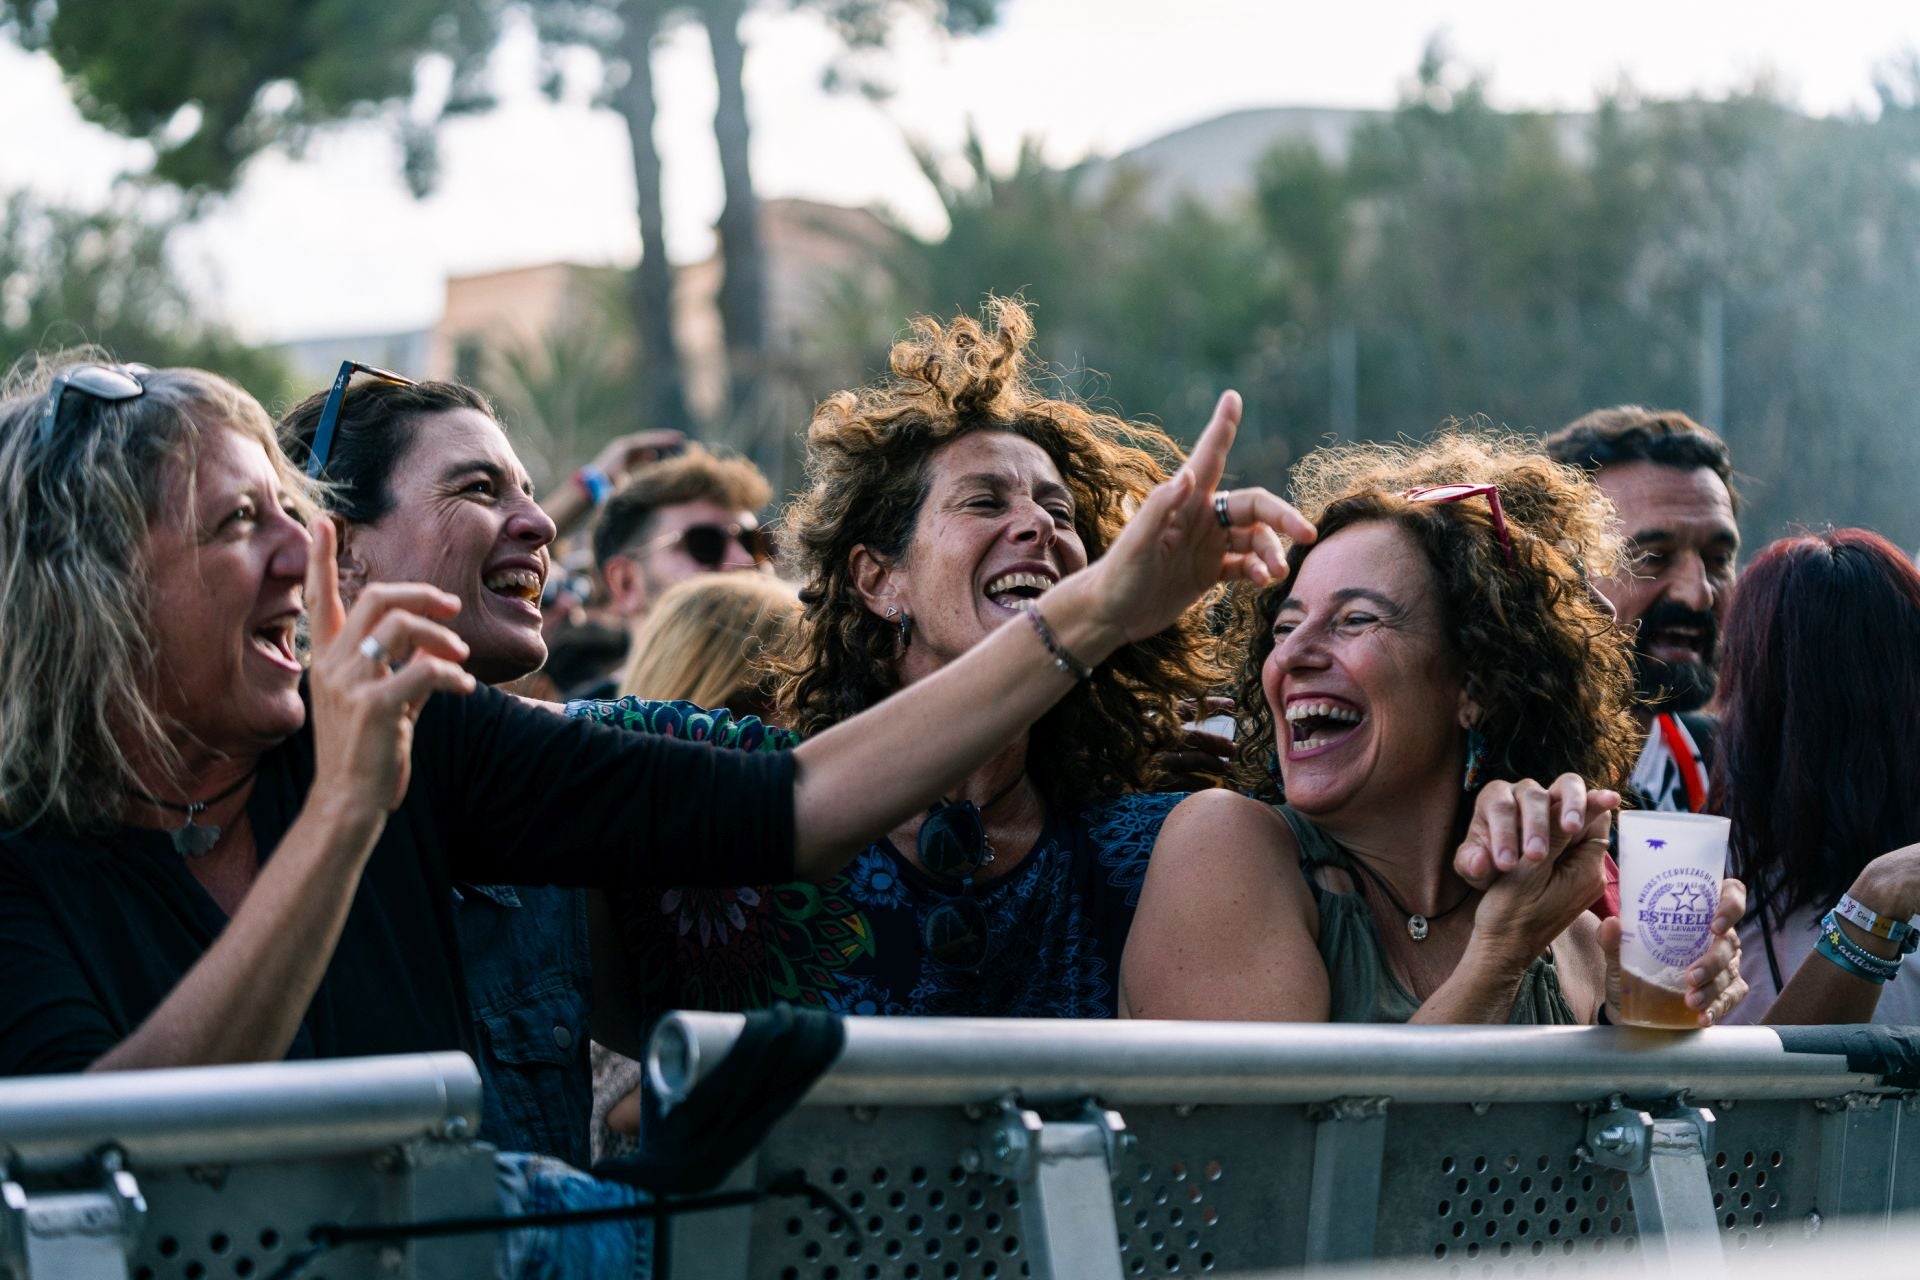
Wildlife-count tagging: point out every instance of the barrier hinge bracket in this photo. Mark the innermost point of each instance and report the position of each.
(86, 1234)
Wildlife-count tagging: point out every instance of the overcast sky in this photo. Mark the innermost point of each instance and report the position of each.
(331, 243)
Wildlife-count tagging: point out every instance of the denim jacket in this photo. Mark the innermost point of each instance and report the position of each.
(525, 954)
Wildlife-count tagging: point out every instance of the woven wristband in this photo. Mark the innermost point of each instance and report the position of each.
(1900, 932)
(1843, 951)
(1824, 947)
(1061, 658)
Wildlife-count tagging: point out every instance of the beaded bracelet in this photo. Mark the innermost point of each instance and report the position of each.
(1892, 929)
(1855, 959)
(1061, 658)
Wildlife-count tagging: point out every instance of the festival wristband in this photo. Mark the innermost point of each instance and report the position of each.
(1849, 955)
(593, 482)
(1822, 947)
(1893, 930)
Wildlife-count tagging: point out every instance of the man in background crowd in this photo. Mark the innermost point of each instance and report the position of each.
(684, 515)
(1671, 480)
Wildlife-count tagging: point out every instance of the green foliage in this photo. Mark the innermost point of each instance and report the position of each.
(1463, 261)
(210, 83)
(70, 279)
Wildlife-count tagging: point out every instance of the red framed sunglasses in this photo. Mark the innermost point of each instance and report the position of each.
(1459, 493)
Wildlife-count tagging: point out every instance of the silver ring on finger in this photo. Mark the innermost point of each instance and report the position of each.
(1220, 509)
(374, 651)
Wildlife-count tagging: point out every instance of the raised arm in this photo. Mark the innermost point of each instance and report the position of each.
(852, 784)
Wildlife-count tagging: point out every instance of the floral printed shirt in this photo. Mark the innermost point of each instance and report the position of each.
(1058, 922)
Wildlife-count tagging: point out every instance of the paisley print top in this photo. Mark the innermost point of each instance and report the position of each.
(1056, 924)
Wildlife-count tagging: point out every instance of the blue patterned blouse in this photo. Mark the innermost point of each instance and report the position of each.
(1057, 923)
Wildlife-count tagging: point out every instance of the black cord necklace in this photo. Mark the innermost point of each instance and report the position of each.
(1416, 923)
(191, 839)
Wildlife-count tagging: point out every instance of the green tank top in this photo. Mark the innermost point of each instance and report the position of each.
(1362, 985)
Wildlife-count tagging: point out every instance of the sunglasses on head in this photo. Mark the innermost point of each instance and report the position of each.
(1460, 492)
(953, 846)
(708, 544)
(109, 382)
(330, 412)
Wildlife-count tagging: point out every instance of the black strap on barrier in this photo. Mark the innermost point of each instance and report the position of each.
(684, 1151)
(695, 1145)
(1892, 1053)
(328, 1236)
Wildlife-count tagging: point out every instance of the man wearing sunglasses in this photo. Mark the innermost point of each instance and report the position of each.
(673, 519)
(1671, 481)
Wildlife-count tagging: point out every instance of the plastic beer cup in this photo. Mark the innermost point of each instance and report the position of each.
(1670, 869)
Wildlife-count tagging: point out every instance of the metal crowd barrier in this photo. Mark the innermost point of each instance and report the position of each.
(995, 1150)
(217, 1173)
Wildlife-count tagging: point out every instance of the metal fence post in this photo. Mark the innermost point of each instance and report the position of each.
(1065, 1172)
(1343, 1198)
(1857, 1143)
(1665, 1160)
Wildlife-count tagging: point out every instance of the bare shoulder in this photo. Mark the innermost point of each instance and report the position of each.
(1221, 822)
(1219, 847)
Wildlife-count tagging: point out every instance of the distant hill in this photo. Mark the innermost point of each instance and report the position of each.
(1214, 161)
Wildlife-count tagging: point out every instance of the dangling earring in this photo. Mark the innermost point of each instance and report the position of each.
(1273, 765)
(1476, 756)
(905, 624)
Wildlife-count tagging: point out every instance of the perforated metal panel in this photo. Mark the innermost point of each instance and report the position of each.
(1201, 1191)
(1213, 1190)
(1502, 1192)
(238, 1222)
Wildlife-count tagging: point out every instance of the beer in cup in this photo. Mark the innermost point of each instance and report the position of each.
(1670, 868)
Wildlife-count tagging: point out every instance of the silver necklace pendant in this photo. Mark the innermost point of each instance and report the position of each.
(191, 839)
(1417, 927)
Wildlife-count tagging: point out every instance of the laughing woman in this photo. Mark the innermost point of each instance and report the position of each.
(946, 504)
(1440, 682)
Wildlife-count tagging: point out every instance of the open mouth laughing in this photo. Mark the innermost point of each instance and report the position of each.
(273, 640)
(517, 583)
(1316, 722)
(1016, 592)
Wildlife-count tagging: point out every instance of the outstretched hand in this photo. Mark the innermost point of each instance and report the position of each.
(1175, 547)
(365, 703)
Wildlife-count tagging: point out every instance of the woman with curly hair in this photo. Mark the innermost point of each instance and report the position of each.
(1443, 688)
(942, 504)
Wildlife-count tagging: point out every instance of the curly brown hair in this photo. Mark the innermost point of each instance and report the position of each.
(1544, 661)
(867, 456)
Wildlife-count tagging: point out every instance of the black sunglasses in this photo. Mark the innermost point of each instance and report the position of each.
(707, 543)
(953, 846)
(330, 412)
(110, 382)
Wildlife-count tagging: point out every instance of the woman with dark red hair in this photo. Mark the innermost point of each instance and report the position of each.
(1819, 735)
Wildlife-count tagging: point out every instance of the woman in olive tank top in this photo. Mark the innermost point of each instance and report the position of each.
(1434, 678)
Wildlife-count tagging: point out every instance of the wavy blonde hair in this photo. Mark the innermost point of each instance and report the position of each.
(709, 640)
(76, 648)
(1544, 661)
(867, 457)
